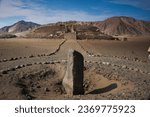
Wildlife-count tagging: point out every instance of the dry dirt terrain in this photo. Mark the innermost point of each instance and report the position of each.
(34, 68)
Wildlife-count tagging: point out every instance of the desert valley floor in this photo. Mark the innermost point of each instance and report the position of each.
(34, 68)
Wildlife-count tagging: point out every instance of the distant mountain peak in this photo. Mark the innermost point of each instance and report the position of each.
(117, 25)
(19, 26)
(123, 25)
(21, 21)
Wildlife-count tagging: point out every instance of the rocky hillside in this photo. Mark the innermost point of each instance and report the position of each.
(18, 27)
(114, 26)
(84, 30)
(90, 32)
(124, 26)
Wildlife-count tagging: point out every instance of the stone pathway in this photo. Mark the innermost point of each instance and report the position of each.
(60, 55)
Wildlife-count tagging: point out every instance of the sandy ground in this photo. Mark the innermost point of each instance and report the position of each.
(113, 69)
(131, 49)
(25, 47)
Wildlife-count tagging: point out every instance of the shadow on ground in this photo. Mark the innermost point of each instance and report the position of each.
(104, 90)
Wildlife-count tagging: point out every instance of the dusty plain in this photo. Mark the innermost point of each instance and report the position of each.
(34, 68)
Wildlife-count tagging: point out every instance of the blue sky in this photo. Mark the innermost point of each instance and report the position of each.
(48, 11)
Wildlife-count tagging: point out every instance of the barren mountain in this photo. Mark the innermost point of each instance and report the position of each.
(114, 26)
(124, 26)
(84, 30)
(91, 30)
(19, 27)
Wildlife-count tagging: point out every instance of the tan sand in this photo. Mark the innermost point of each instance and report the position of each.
(122, 71)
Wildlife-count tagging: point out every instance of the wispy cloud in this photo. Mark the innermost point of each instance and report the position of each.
(35, 12)
(144, 4)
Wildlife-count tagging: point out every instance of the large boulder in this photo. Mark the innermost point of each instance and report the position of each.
(73, 80)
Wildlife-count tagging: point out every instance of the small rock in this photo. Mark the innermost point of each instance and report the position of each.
(47, 62)
(135, 59)
(31, 56)
(12, 69)
(55, 61)
(17, 67)
(89, 55)
(11, 59)
(39, 62)
(4, 72)
(43, 63)
(38, 86)
(136, 70)
(35, 63)
(22, 66)
(4, 60)
(124, 67)
(56, 90)
(141, 71)
(88, 61)
(29, 97)
(145, 72)
(105, 63)
(52, 62)
(46, 89)
(86, 85)
(130, 68)
(28, 64)
(63, 61)
(16, 58)
(58, 62)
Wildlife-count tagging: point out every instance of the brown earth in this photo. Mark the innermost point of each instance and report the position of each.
(34, 69)
(122, 25)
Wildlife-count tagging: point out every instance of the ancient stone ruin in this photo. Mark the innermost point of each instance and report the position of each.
(70, 33)
(73, 79)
